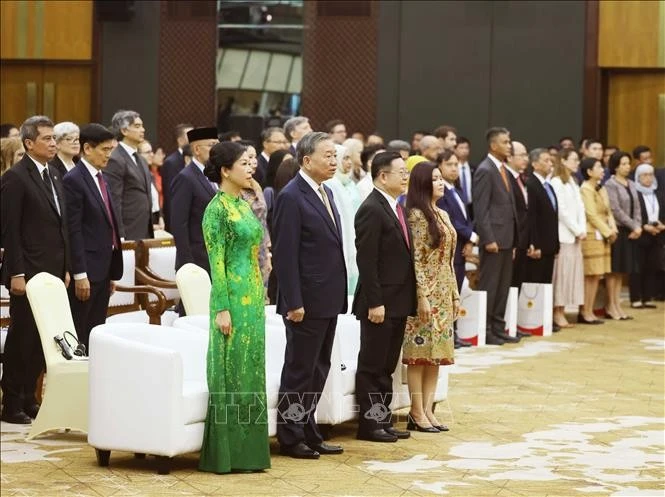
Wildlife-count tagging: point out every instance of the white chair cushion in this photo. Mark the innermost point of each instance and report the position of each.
(162, 263)
(142, 317)
(129, 264)
(195, 400)
(348, 376)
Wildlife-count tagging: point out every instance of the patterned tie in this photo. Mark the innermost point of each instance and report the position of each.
(326, 202)
(502, 169)
(107, 204)
(402, 223)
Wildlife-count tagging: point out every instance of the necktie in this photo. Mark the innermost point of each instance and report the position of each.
(502, 169)
(402, 223)
(49, 188)
(550, 194)
(521, 183)
(326, 202)
(465, 184)
(107, 204)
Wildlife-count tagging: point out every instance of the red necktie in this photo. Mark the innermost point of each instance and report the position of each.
(105, 196)
(402, 223)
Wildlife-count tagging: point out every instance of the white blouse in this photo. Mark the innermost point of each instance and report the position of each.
(572, 219)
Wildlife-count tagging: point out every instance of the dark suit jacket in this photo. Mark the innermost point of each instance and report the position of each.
(463, 224)
(647, 238)
(308, 257)
(191, 193)
(130, 188)
(543, 218)
(261, 169)
(521, 210)
(660, 177)
(34, 235)
(57, 163)
(493, 206)
(385, 263)
(172, 166)
(90, 229)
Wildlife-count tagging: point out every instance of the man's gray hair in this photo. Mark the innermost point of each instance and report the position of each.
(399, 145)
(29, 128)
(267, 133)
(534, 155)
(65, 128)
(307, 145)
(292, 123)
(123, 119)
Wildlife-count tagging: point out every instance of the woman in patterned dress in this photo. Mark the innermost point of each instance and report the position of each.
(236, 429)
(428, 339)
(254, 197)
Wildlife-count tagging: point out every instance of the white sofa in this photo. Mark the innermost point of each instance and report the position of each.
(148, 391)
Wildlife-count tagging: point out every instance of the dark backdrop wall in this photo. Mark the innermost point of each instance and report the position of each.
(480, 64)
(161, 63)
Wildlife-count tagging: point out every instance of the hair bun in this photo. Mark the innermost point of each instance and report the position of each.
(212, 173)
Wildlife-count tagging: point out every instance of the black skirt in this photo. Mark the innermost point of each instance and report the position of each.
(625, 253)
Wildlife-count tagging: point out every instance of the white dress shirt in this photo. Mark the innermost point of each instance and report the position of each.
(391, 201)
(40, 169)
(131, 151)
(313, 184)
(465, 173)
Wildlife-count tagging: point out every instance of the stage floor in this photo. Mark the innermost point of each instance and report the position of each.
(578, 413)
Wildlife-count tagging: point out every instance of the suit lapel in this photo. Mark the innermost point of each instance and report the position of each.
(41, 186)
(136, 169)
(94, 191)
(203, 181)
(389, 212)
(315, 200)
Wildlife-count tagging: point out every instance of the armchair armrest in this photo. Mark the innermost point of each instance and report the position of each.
(155, 308)
(150, 277)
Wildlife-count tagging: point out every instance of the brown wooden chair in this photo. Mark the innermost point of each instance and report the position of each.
(155, 266)
(134, 298)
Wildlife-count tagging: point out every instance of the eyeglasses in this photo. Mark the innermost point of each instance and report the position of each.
(403, 174)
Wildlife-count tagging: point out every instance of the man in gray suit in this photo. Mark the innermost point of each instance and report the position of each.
(494, 205)
(129, 178)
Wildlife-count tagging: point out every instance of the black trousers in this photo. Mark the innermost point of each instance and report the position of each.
(519, 268)
(92, 312)
(643, 284)
(23, 358)
(459, 274)
(540, 270)
(380, 346)
(496, 272)
(306, 365)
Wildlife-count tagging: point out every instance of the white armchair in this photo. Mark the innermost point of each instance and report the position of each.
(165, 416)
(194, 287)
(65, 400)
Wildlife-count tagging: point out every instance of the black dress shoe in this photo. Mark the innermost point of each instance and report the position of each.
(299, 451)
(32, 410)
(398, 433)
(412, 425)
(493, 340)
(507, 338)
(326, 449)
(380, 435)
(523, 334)
(16, 418)
(581, 320)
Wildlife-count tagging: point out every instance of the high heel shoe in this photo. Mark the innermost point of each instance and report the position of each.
(411, 425)
(581, 320)
(441, 427)
(607, 314)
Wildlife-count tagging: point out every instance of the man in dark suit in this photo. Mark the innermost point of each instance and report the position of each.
(466, 170)
(311, 278)
(273, 139)
(34, 236)
(129, 178)
(191, 192)
(96, 252)
(173, 164)
(516, 166)
(453, 203)
(495, 216)
(543, 218)
(385, 295)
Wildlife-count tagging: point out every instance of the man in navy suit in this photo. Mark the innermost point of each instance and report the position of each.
(453, 202)
(173, 164)
(311, 278)
(94, 241)
(190, 194)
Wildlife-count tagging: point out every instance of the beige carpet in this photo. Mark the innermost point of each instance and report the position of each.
(580, 413)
